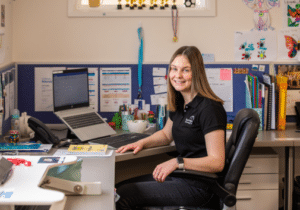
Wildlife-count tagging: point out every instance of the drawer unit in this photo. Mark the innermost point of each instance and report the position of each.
(259, 184)
(257, 199)
(261, 165)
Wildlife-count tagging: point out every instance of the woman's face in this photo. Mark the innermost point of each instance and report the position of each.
(181, 74)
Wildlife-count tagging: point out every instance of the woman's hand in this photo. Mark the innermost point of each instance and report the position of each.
(136, 147)
(163, 170)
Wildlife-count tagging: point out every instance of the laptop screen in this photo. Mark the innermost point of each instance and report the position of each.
(70, 89)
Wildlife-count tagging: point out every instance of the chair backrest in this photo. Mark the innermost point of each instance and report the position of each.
(239, 146)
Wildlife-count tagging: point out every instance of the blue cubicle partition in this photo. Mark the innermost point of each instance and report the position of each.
(26, 86)
(6, 124)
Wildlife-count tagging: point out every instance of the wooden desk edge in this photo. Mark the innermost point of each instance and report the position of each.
(145, 153)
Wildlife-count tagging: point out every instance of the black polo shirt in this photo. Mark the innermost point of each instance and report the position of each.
(191, 123)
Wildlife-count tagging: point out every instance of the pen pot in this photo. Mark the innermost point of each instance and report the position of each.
(125, 119)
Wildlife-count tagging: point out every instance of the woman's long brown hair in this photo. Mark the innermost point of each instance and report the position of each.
(200, 83)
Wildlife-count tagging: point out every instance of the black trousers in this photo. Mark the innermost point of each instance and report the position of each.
(144, 191)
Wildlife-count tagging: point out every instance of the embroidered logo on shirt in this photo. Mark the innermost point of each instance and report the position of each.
(190, 121)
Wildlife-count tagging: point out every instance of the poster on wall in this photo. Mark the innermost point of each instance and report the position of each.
(291, 11)
(115, 88)
(288, 43)
(255, 46)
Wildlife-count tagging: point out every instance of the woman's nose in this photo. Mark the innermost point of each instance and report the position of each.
(178, 73)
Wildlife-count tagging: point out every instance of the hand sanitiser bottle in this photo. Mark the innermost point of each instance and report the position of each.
(15, 124)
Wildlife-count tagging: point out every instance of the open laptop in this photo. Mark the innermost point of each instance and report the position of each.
(71, 105)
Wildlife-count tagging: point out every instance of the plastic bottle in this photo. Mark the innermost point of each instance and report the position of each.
(15, 123)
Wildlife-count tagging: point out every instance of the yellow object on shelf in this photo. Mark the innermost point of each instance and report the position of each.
(282, 87)
(229, 126)
(94, 3)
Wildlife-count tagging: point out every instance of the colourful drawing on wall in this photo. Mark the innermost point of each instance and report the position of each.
(288, 43)
(255, 46)
(293, 14)
(261, 13)
(292, 45)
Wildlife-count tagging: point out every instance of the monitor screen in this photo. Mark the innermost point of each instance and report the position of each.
(70, 89)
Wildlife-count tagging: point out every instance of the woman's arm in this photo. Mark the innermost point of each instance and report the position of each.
(215, 160)
(159, 138)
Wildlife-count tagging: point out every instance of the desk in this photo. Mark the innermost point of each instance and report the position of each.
(287, 139)
(25, 181)
(95, 169)
(127, 164)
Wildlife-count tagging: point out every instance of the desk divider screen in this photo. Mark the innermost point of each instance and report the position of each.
(26, 86)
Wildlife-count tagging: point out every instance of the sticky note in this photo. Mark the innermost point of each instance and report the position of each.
(225, 74)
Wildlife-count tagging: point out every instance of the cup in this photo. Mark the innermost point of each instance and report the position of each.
(125, 119)
(138, 126)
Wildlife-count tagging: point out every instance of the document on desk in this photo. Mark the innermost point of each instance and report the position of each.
(63, 152)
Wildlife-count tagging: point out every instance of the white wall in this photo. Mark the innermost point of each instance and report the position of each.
(6, 49)
(44, 33)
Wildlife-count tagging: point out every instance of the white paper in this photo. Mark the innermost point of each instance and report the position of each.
(2, 48)
(262, 68)
(160, 89)
(115, 88)
(155, 98)
(43, 100)
(222, 88)
(159, 81)
(5, 82)
(285, 47)
(93, 88)
(159, 72)
(255, 46)
(1, 122)
(208, 58)
(292, 20)
(11, 90)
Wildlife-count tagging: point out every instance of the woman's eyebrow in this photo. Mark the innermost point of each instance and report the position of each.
(172, 65)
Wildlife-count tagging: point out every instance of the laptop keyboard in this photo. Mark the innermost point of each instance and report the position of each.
(83, 120)
(121, 140)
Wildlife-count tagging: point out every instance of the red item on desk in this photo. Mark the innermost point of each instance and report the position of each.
(18, 161)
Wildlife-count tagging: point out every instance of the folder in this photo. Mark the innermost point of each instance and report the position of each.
(249, 96)
(268, 83)
(282, 92)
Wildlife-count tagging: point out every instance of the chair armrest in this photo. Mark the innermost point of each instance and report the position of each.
(194, 174)
(211, 180)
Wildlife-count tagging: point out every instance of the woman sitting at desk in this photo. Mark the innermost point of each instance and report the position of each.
(197, 125)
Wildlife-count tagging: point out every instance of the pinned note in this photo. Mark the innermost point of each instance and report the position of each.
(225, 74)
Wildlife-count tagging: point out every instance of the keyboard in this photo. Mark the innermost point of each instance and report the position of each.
(121, 140)
(83, 120)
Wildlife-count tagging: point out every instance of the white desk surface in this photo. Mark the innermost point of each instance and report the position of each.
(25, 181)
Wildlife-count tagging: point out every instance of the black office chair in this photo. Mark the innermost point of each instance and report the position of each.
(237, 151)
